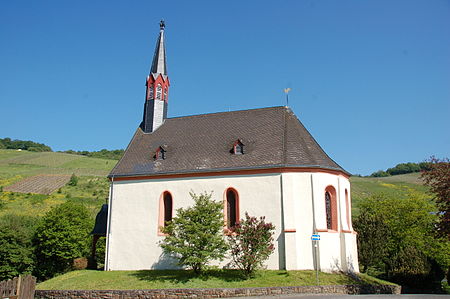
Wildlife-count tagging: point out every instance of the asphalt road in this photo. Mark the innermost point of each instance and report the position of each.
(317, 296)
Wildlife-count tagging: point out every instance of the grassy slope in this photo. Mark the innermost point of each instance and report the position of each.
(26, 163)
(164, 279)
(399, 186)
(92, 188)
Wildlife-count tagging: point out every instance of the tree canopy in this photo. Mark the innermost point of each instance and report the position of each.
(195, 235)
(61, 236)
(397, 239)
(402, 168)
(437, 177)
(16, 253)
(8, 143)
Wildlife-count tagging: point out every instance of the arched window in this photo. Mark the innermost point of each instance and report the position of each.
(165, 210)
(231, 208)
(158, 92)
(331, 208)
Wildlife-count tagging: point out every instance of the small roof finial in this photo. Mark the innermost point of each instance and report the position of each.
(162, 24)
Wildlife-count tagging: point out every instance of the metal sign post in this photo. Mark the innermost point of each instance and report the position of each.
(316, 238)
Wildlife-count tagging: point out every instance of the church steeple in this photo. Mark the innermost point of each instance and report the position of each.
(157, 87)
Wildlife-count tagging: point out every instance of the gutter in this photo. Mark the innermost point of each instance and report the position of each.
(228, 169)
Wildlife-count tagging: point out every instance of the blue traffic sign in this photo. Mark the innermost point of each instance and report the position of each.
(315, 237)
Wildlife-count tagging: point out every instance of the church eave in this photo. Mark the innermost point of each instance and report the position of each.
(232, 171)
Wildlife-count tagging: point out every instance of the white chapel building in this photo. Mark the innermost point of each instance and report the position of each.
(260, 161)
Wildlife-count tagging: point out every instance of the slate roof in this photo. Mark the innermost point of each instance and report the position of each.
(272, 137)
(159, 65)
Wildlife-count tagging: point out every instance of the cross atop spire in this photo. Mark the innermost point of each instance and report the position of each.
(159, 65)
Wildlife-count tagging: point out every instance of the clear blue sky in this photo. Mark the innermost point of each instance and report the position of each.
(370, 79)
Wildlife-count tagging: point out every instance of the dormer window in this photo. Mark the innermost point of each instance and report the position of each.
(160, 154)
(238, 148)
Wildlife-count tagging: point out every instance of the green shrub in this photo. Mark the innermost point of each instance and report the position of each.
(380, 173)
(61, 236)
(195, 234)
(16, 253)
(73, 180)
(251, 243)
(411, 253)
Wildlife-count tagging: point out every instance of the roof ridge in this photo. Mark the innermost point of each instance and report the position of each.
(225, 112)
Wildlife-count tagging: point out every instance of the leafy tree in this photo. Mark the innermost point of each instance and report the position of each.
(103, 154)
(373, 234)
(61, 236)
(437, 177)
(412, 254)
(403, 168)
(380, 173)
(24, 145)
(73, 180)
(251, 243)
(195, 234)
(16, 252)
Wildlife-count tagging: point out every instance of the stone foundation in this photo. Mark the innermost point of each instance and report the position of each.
(216, 293)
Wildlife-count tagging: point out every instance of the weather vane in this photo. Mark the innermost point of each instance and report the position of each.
(286, 91)
(162, 24)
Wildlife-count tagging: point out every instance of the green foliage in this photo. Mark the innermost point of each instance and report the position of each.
(7, 143)
(16, 252)
(73, 180)
(412, 253)
(103, 154)
(251, 243)
(373, 236)
(402, 168)
(61, 236)
(100, 253)
(437, 177)
(380, 173)
(195, 234)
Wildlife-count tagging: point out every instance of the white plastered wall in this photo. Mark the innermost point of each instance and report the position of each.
(285, 199)
(337, 249)
(133, 236)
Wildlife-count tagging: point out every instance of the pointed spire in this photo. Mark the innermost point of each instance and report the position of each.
(157, 88)
(159, 65)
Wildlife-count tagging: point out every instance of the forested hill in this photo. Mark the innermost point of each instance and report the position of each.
(402, 168)
(27, 145)
(8, 143)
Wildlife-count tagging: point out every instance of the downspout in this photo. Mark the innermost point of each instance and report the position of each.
(313, 208)
(108, 227)
(282, 260)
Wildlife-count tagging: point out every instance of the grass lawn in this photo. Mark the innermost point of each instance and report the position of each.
(168, 279)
